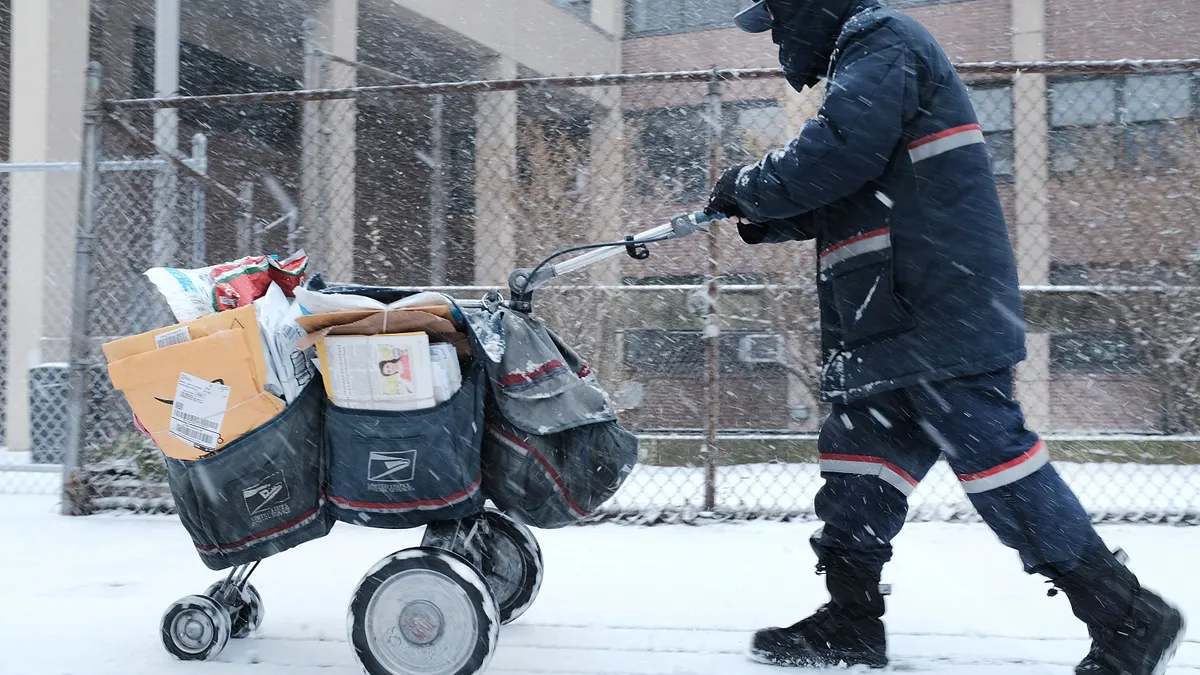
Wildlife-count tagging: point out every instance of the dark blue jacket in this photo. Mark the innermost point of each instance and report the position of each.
(917, 280)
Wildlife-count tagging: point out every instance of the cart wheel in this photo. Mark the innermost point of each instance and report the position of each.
(195, 628)
(423, 611)
(504, 550)
(245, 613)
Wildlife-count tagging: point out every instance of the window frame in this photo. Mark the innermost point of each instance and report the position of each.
(580, 9)
(1129, 364)
(679, 26)
(688, 192)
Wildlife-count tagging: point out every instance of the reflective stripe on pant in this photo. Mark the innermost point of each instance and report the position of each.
(875, 451)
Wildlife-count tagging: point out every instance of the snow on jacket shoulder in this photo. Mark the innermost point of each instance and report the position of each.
(916, 274)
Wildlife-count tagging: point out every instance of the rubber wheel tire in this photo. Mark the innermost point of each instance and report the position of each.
(409, 595)
(246, 614)
(195, 628)
(514, 581)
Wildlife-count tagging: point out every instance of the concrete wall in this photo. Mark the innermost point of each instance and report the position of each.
(48, 62)
(535, 33)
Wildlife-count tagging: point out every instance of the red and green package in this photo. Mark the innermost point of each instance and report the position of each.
(290, 273)
(241, 282)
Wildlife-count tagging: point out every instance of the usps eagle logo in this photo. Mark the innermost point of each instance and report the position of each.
(270, 492)
(392, 467)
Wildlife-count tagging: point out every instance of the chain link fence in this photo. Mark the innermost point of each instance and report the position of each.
(146, 212)
(453, 186)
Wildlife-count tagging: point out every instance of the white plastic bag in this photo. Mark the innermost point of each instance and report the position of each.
(188, 292)
(270, 310)
(295, 367)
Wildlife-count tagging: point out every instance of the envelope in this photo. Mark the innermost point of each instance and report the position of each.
(242, 317)
(203, 422)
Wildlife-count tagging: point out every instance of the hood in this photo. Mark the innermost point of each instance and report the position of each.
(807, 32)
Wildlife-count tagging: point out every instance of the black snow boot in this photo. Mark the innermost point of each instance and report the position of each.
(1134, 631)
(846, 630)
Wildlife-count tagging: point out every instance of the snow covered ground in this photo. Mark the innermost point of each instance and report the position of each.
(84, 597)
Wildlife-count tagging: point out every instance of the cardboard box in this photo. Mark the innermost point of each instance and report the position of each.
(204, 390)
(381, 322)
(242, 318)
(377, 372)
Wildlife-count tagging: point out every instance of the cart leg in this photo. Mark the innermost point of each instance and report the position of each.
(240, 598)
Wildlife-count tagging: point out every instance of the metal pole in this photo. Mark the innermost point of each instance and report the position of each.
(166, 128)
(199, 230)
(437, 195)
(245, 232)
(712, 328)
(312, 221)
(75, 490)
(324, 160)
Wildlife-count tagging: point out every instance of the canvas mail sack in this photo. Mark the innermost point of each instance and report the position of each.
(553, 452)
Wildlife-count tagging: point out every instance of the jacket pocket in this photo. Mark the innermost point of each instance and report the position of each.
(862, 288)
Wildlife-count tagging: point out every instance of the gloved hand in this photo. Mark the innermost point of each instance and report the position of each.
(721, 200)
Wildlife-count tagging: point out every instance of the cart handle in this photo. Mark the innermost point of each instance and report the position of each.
(523, 282)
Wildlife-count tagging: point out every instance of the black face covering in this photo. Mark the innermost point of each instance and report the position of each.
(806, 32)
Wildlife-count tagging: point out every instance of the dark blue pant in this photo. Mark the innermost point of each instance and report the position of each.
(875, 451)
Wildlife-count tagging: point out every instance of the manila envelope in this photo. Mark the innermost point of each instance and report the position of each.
(149, 381)
(242, 317)
(378, 322)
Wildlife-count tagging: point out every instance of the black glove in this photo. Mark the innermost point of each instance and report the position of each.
(796, 228)
(721, 201)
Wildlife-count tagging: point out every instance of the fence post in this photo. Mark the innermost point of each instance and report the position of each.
(75, 497)
(437, 194)
(245, 232)
(313, 144)
(200, 164)
(712, 327)
(167, 228)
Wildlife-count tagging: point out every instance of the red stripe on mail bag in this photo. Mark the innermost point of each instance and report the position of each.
(945, 141)
(421, 505)
(876, 240)
(277, 531)
(1008, 472)
(521, 446)
(530, 375)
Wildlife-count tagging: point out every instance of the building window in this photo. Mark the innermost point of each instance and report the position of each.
(674, 149)
(649, 17)
(1151, 98)
(580, 8)
(1083, 103)
(1102, 122)
(1001, 152)
(1128, 100)
(994, 108)
(1092, 352)
(1069, 275)
(753, 130)
(681, 353)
